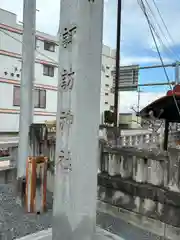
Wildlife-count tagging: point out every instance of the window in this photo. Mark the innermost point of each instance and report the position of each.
(49, 46)
(106, 103)
(112, 108)
(48, 70)
(39, 98)
(107, 67)
(16, 96)
(106, 94)
(107, 85)
(107, 75)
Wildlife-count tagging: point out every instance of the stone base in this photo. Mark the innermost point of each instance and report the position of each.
(47, 235)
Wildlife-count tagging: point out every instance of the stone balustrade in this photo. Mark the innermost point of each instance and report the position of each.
(139, 139)
(142, 181)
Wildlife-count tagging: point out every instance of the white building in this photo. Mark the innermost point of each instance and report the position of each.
(46, 74)
(108, 63)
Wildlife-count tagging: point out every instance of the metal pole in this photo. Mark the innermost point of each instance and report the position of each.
(116, 92)
(147, 85)
(26, 95)
(177, 77)
(166, 135)
(159, 66)
(156, 84)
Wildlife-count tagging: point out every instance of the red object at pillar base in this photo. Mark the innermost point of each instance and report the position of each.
(36, 178)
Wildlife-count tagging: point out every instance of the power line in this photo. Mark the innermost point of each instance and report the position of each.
(155, 30)
(161, 31)
(42, 54)
(142, 5)
(160, 15)
(167, 30)
(53, 61)
(153, 14)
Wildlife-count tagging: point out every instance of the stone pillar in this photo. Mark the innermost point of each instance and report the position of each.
(27, 82)
(78, 111)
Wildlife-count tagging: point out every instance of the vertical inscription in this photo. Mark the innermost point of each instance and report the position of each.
(67, 36)
(66, 117)
(67, 80)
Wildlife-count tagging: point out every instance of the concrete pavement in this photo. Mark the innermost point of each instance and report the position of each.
(15, 223)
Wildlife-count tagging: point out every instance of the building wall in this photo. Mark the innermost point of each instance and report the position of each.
(130, 119)
(10, 73)
(108, 63)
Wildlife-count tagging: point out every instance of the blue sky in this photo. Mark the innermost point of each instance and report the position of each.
(137, 45)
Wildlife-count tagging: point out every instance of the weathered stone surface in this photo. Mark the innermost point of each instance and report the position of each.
(14, 222)
(133, 188)
(142, 198)
(155, 154)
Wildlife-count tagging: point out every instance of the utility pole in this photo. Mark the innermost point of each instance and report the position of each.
(177, 76)
(116, 90)
(26, 93)
(77, 123)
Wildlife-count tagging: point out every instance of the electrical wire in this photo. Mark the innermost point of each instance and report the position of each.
(154, 15)
(142, 5)
(42, 54)
(160, 15)
(166, 48)
(143, 8)
(150, 26)
(162, 32)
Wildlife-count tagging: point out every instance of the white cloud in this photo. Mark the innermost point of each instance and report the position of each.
(134, 25)
(143, 60)
(47, 18)
(130, 99)
(134, 31)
